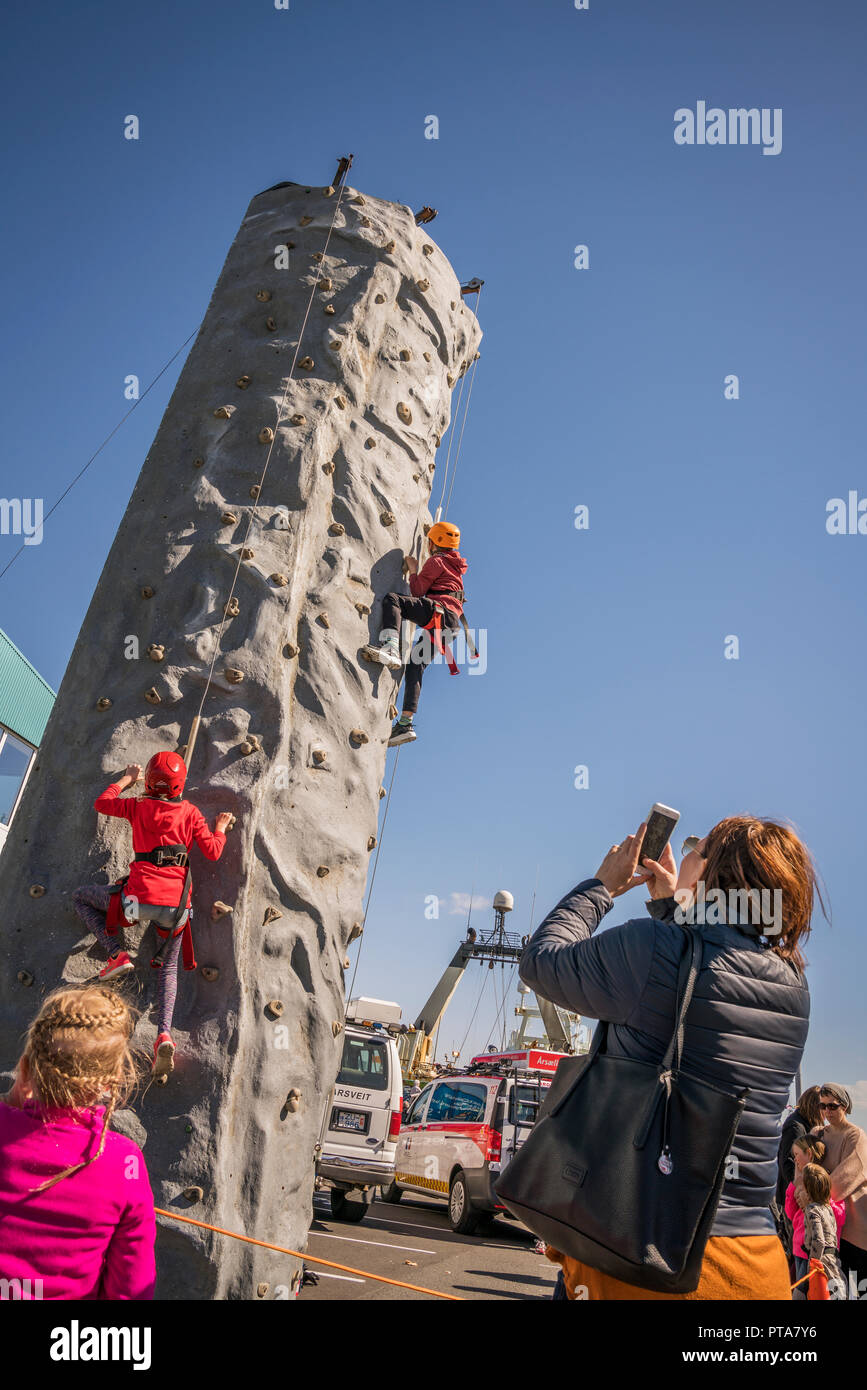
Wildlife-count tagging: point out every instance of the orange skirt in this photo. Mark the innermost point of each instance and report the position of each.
(734, 1267)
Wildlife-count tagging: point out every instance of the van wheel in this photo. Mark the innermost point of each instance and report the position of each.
(346, 1208)
(463, 1216)
(392, 1193)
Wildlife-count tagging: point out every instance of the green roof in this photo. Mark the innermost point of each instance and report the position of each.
(26, 699)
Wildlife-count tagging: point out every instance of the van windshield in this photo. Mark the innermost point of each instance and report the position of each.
(365, 1064)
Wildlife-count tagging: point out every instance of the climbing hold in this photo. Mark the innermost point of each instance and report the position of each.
(318, 256)
(271, 915)
(232, 822)
(336, 344)
(153, 696)
(366, 222)
(340, 402)
(392, 711)
(423, 285)
(210, 973)
(198, 463)
(319, 756)
(371, 842)
(426, 356)
(405, 355)
(266, 435)
(262, 1289)
(381, 793)
(379, 299)
(233, 608)
(370, 442)
(299, 419)
(328, 467)
(387, 518)
(242, 383)
(325, 283)
(425, 214)
(233, 675)
(270, 324)
(290, 649)
(329, 308)
(359, 201)
(146, 592)
(358, 736)
(37, 890)
(328, 192)
(322, 871)
(438, 439)
(363, 609)
(250, 745)
(336, 529)
(279, 579)
(225, 412)
(293, 1100)
(229, 519)
(476, 356)
(247, 553)
(450, 379)
(156, 652)
(103, 703)
(255, 490)
(304, 221)
(427, 249)
(337, 1027)
(389, 246)
(346, 962)
(323, 620)
(25, 978)
(355, 932)
(404, 412)
(264, 295)
(426, 528)
(306, 364)
(275, 1007)
(219, 910)
(194, 1194)
(431, 468)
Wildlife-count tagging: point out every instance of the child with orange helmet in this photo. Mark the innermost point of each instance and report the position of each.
(158, 888)
(434, 603)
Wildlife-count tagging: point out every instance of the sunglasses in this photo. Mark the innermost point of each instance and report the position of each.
(691, 843)
(831, 1105)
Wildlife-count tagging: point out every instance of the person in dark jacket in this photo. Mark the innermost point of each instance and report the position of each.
(805, 1117)
(436, 596)
(746, 1026)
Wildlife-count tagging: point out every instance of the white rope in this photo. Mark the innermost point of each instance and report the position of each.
(380, 838)
(454, 430)
(464, 420)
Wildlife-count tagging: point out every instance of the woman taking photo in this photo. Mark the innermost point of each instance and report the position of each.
(746, 1025)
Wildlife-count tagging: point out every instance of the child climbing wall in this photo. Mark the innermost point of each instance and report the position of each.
(158, 887)
(435, 605)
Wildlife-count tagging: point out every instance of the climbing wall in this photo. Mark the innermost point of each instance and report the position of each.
(294, 727)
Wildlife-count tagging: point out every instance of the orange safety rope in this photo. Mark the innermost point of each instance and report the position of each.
(282, 1250)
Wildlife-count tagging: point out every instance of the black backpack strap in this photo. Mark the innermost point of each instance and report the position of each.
(693, 953)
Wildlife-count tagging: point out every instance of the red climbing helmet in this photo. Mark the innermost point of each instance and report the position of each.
(165, 775)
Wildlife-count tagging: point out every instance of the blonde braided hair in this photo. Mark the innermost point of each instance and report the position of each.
(78, 1052)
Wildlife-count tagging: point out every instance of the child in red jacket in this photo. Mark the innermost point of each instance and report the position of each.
(164, 827)
(436, 596)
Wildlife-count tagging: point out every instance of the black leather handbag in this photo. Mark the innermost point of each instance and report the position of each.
(624, 1167)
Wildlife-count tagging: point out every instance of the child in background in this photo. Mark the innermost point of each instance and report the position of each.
(438, 585)
(164, 827)
(823, 1222)
(76, 1209)
(808, 1149)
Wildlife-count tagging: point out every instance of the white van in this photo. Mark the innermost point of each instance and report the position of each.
(356, 1148)
(463, 1130)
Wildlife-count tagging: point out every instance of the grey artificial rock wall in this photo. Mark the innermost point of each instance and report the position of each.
(346, 493)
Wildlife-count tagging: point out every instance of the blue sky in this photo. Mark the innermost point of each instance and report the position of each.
(601, 387)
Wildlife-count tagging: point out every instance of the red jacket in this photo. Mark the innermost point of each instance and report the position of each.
(441, 578)
(156, 822)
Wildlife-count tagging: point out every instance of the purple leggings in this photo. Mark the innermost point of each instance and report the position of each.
(91, 902)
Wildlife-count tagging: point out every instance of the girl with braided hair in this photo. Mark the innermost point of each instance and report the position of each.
(76, 1209)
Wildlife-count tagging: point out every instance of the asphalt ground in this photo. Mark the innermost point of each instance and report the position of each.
(413, 1241)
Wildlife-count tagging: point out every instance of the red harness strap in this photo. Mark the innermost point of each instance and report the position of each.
(435, 626)
(114, 918)
(186, 944)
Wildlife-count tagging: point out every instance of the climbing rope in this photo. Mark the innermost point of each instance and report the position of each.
(258, 502)
(472, 375)
(108, 437)
(373, 874)
(312, 1259)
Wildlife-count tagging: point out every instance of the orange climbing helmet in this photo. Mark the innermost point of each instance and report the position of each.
(165, 775)
(444, 535)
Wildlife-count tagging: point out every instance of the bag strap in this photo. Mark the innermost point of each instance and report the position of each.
(675, 1046)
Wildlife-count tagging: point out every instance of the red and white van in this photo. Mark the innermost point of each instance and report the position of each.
(464, 1128)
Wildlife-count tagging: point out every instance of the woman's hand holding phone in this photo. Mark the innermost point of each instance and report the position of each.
(617, 872)
(662, 875)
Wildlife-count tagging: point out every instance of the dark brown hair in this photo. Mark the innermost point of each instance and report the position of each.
(817, 1183)
(745, 852)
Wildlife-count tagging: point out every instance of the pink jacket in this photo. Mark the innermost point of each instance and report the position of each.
(795, 1213)
(91, 1236)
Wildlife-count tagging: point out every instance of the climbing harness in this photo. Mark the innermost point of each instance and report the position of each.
(435, 627)
(329, 1264)
(175, 856)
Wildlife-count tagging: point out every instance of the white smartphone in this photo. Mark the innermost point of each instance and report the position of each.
(660, 825)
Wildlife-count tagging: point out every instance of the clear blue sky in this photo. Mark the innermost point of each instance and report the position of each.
(602, 387)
